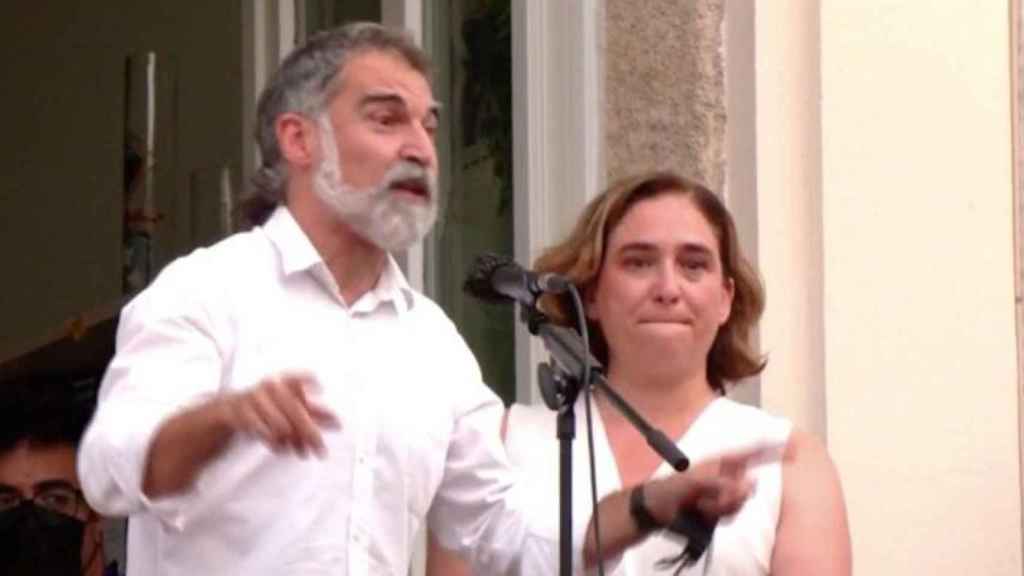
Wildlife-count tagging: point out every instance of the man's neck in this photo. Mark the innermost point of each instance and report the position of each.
(355, 263)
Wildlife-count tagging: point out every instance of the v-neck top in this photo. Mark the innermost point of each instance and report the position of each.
(742, 543)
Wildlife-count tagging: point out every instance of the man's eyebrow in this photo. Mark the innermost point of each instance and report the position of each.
(393, 98)
(372, 98)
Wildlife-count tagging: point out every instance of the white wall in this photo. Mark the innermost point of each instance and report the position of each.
(789, 250)
(919, 302)
(885, 198)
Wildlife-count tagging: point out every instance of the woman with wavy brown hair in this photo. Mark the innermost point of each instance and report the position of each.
(671, 306)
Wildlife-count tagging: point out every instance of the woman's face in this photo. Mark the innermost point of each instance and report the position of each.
(661, 295)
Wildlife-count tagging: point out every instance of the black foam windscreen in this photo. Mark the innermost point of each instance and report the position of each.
(479, 280)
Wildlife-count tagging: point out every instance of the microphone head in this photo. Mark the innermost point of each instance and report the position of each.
(479, 278)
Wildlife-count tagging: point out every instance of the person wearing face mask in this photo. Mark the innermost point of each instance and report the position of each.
(46, 527)
(302, 337)
(671, 306)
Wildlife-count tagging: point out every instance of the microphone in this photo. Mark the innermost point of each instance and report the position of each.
(496, 278)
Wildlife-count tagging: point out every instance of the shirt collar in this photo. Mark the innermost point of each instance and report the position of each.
(391, 287)
(294, 249)
(297, 254)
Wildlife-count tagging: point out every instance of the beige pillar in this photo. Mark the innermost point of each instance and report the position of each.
(789, 187)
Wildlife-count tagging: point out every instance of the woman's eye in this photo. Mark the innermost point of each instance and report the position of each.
(694, 268)
(636, 263)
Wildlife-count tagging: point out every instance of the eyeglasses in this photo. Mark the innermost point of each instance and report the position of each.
(56, 497)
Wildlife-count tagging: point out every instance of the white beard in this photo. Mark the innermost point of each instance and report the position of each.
(375, 213)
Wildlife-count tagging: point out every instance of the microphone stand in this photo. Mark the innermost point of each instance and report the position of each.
(560, 384)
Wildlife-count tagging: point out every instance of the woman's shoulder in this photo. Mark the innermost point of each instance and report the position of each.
(737, 416)
(757, 421)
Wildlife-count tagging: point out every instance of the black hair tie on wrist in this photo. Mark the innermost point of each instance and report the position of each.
(688, 524)
(645, 522)
(698, 531)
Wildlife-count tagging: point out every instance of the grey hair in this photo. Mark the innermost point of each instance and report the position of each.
(305, 83)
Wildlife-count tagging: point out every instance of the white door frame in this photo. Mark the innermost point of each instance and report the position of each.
(558, 136)
(268, 34)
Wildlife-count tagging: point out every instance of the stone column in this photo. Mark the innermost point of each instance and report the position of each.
(664, 88)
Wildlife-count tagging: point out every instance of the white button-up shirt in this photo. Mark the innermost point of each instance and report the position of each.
(419, 430)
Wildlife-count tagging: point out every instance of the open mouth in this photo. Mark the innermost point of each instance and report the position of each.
(414, 187)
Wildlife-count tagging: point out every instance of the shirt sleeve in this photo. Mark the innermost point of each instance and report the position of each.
(166, 360)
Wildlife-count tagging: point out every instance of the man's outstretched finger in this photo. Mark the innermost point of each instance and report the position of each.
(304, 434)
(724, 498)
(754, 455)
(323, 416)
(305, 386)
(268, 410)
(247, 420)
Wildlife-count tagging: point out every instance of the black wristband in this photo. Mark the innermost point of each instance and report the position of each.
(645, 522)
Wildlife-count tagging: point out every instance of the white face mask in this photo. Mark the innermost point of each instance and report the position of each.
(377, 213)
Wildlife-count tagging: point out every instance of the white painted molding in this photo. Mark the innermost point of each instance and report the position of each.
(286, 26)
(788, 139)
(740, 189)
(254, 38)
(406, 14)
(557, 135)
(269, 31)
(1017, 61)
(529, 157)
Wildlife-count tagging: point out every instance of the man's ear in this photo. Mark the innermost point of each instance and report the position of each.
(297, 139)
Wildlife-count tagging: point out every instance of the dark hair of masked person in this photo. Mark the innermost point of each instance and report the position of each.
(46, 527)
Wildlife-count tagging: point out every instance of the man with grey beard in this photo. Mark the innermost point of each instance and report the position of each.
(301, 337)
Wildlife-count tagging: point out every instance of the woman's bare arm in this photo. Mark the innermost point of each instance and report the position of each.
(813, 536)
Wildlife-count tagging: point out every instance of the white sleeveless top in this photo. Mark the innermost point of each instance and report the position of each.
(742, 544)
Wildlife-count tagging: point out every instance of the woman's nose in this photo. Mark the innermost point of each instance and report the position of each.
(666, 288)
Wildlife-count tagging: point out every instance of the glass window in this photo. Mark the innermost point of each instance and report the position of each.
(322, 14)
(471, 44)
